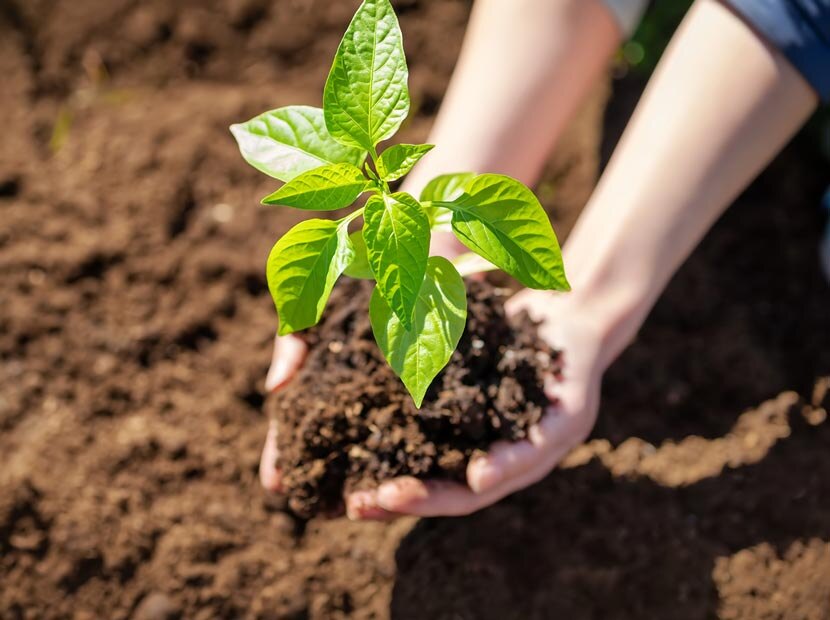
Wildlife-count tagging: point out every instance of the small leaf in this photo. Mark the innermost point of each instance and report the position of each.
(322, 189)
(359, 267)
(500, 219)
(285, 142)
(366, 97)
(446, 187)
(396, 232)
(399, 159)
(302, 269)
(418, 354)
(443, 188)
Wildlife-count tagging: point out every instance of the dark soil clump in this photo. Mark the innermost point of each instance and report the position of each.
(347, 422)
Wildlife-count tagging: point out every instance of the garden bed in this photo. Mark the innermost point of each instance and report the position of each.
(135, 333)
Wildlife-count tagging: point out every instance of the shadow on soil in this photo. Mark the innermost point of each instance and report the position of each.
(583, 544)
(745, 319)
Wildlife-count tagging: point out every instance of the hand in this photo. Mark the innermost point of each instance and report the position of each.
(289, 354)
(509, 467)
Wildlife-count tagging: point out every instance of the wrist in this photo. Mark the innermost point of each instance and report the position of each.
(613, 308)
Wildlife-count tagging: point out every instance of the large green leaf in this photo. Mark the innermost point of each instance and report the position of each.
(359, 267)
(500, 219)
(443, 188)
(366, 97)
(285, 142)
(418, 354)
(322, 189)
(399, 159)
(396, 231)
(302, 269)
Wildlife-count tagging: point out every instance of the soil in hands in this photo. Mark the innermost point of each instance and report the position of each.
(346, 422)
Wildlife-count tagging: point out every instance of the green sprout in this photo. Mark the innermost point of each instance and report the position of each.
(418, 307)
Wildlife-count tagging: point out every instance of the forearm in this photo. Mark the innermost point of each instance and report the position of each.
(721, 104)
(524, 69)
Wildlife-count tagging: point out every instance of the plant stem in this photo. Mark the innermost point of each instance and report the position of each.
(428, 204)
(352, 216)
(374, 156)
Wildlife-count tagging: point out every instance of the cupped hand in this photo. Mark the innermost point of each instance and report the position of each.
(509, 467)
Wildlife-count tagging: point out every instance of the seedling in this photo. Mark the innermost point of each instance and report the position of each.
(418, 308)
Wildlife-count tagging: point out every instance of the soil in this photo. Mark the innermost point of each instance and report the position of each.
(346, 422)
(135, 333)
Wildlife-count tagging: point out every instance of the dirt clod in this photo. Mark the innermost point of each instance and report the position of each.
(346, 422)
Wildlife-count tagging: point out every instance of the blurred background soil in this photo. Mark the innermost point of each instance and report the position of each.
(135, 332)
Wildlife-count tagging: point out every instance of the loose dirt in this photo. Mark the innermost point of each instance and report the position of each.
(135, 333)
(347, 422)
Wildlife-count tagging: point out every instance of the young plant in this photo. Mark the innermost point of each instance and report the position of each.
(418, 307)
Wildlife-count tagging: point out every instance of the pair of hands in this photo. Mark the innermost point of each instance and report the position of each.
(508, 467)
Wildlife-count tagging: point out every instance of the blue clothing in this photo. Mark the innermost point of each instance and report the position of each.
(800, 29)
(627, 13)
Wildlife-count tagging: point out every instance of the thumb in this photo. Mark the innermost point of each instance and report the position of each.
(289, 355)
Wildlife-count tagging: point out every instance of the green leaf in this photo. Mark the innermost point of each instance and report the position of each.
(446, 187)
(500, 219)
(366, 97)
(418, 354)
(399, 159)
(359, 267)
(285, 142)
(302, 269)
(322, 189)
(443, 188)
(396, 231)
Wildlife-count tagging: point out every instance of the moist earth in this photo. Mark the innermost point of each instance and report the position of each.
(346, 422)
(136, 330)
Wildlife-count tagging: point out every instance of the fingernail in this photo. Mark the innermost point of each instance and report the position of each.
(485, 476)
(274, 376)
(388, 495)
(353, 505)
(358, 504)
(551, 385)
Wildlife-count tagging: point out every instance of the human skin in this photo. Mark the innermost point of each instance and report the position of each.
(720, 105)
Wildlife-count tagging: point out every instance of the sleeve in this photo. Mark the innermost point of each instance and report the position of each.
(627, 13)
(800, 29)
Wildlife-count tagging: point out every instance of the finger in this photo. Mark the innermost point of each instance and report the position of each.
(534, 474)
(438, 498)
(503, 459)
(506, 461)
(425, 498)
(289, 354)
(523, 301)
(269, 475)
(433, 498)
(537, 471)
(364, 506)
(514, 305)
